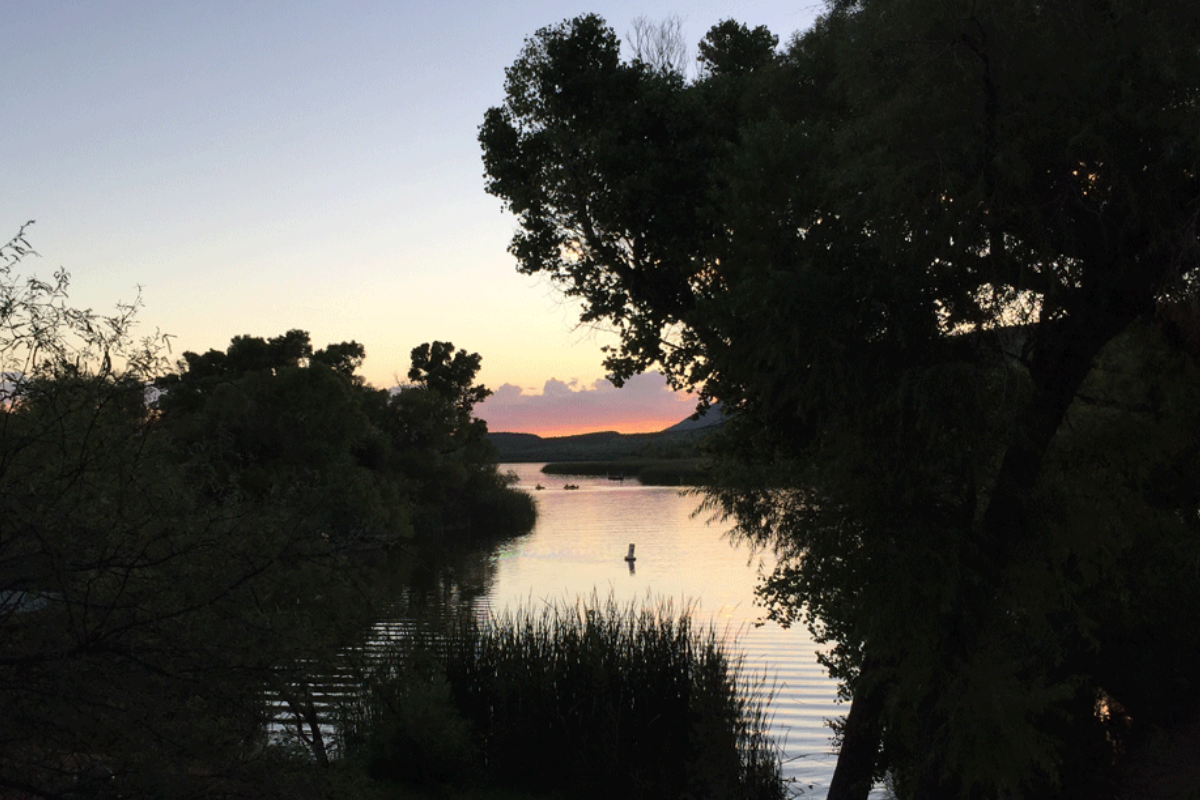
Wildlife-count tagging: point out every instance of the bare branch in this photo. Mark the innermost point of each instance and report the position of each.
(661, 45)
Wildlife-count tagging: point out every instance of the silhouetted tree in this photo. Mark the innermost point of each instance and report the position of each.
(895, 252)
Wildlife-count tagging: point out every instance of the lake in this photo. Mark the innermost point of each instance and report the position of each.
(578, 548)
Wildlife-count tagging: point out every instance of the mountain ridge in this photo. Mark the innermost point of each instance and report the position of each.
(681, 440)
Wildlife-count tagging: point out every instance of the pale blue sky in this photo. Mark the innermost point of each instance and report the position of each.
(261, 166)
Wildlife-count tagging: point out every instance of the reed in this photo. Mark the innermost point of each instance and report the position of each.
(591, 700)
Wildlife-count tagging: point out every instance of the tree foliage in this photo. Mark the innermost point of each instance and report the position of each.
(731, 48)
(896, 252)
(177, 546)
(271, 419)
(277, 419)
(140, 618)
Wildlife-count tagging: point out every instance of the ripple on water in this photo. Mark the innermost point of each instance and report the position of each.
(577, 549)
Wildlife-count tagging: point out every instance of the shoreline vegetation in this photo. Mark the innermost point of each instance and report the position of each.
(672, 457)
(587, 700)
(647, 471)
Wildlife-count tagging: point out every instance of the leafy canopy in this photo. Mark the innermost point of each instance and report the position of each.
(896, 251)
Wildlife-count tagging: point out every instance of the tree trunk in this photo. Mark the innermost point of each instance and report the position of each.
(1063, 360)
(855, 771)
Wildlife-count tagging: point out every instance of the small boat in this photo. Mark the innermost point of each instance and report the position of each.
(539, 487)
(571, 486)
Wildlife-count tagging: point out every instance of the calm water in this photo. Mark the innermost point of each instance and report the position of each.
(578, 548)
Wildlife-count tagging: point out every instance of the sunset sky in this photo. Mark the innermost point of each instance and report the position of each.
(261, 166)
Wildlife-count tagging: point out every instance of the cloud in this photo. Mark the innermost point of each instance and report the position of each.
(644, 404)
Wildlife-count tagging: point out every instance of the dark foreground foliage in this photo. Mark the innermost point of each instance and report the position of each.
(164, 566)
(586, 701)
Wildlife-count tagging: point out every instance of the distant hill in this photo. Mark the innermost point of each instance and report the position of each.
(681, 440)
(713, 417)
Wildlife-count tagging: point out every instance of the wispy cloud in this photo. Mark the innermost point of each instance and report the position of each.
(645, 403)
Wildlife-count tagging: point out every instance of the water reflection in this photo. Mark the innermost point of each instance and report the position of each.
(578, 548)
(450, 578)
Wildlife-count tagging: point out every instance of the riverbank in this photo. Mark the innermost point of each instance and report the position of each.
(683, 440)
(648, 472)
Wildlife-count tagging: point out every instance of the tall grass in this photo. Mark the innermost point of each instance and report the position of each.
(592, 700)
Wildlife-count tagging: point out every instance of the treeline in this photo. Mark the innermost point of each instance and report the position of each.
(179, 540)
(278, 419)
(604, 446)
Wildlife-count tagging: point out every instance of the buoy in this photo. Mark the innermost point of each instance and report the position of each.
(630, 557)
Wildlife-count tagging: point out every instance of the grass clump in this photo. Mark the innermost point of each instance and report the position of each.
(592, 700)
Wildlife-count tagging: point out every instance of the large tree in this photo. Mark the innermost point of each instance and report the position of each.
(895, 251)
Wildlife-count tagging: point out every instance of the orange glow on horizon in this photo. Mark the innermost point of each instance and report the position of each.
(646, 404)
(553, 428)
